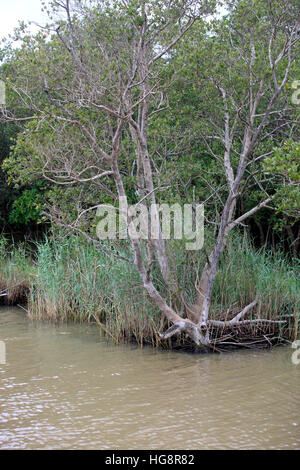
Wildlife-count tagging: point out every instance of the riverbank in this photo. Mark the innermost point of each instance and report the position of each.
(67, 280)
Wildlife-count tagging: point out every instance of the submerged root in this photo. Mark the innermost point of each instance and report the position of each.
(236, 333)
(227, 339)
(199, 334)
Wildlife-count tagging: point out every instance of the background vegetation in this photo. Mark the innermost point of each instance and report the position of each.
(63, 277)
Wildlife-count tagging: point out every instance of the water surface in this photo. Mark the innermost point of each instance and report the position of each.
(64, 387)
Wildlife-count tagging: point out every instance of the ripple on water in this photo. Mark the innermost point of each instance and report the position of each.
(63, 388)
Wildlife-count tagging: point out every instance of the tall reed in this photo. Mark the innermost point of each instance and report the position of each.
(16, 270)
(71, 280)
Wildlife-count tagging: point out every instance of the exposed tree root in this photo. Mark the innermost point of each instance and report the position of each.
(199, 334)
(238, 332)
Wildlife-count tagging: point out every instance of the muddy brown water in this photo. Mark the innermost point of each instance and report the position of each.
(64, 387)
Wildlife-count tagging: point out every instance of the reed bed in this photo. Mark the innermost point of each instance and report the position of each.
(16, 270)
(77, 282)
(69, 280)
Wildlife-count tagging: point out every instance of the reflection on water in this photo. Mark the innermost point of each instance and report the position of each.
(66, 388)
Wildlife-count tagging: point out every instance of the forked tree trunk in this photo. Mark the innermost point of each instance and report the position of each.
(139, 83)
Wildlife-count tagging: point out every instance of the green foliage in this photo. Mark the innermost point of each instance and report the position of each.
(177, 135)
(7, 195)
(27, 208)
(16, 271)
(285, 162)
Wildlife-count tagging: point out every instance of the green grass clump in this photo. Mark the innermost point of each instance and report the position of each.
(68, 279)
(76, 281)
(16, 272)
